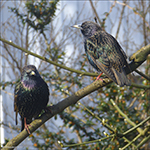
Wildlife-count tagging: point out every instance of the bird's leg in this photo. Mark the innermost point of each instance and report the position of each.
(48, 109)
(26, 126)
(98, 77)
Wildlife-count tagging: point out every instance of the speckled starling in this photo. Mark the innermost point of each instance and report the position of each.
(104, 52)
(31, 96)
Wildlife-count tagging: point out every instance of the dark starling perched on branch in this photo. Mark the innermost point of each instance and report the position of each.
(31, 96)
(104, 52)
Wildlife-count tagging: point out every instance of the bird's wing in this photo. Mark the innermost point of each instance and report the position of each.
(106, 51)
(104, 68)
(17, 88)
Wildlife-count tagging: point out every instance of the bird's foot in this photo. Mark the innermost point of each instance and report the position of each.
(98, 77)
(27, 129)
(48, 109)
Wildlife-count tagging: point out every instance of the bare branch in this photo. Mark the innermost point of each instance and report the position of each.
(14, 60)
(142, 74)
(55, 109)
(138, 58)
(95, 12)
(59, 107)
(135, 12)
(120, 20)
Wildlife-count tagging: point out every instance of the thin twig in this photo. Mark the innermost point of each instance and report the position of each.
(103, 121)
(142, 74)
(120, 20)
(14, 60)
(48, 60)
(140, 86)
(130, 142)
(139, 57)
(143, 142)
(135, 12)
(125, 116)
(93, 141)
(135, 127)
(55, 109)
(95, 12)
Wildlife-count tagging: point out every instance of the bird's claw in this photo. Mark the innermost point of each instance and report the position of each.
(27, 129)
(48, 109)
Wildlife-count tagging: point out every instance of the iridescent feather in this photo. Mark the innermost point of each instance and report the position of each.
(31, 95)
(104, 52)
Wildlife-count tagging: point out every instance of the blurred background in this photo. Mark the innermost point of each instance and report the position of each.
(44, 27)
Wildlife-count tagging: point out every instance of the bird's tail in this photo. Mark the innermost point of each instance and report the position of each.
(22, 124)
(121, 78)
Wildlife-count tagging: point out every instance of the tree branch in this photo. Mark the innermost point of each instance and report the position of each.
(135, 11)
(95, 12)
(55, 109)
(131, 142)
(79, 144)
(47, 60)
(59, 107)
(137, 59)
(98, 118)
(140, 86)
(143, 141)
(141, 55)
(125, 116)
(14, 60)
(135, 127)
(142, 74)
(120, 19)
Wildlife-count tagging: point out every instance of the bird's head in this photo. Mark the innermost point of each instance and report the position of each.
(30, 76)
(88, 28)
(29, 72)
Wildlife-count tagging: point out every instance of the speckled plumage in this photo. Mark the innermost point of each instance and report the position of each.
(104, 52)
(31, 95)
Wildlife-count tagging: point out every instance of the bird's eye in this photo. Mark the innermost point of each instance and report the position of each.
(28, 71)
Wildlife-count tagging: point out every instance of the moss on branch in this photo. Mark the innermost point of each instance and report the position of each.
(138, 58)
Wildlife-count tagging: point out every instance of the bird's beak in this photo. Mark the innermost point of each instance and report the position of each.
(32, 73)
(77, 26)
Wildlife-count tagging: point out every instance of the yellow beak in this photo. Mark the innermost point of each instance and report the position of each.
(77, 26)
(32, 73)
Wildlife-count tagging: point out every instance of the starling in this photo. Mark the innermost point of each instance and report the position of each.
(31, 96)
(104, 52)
